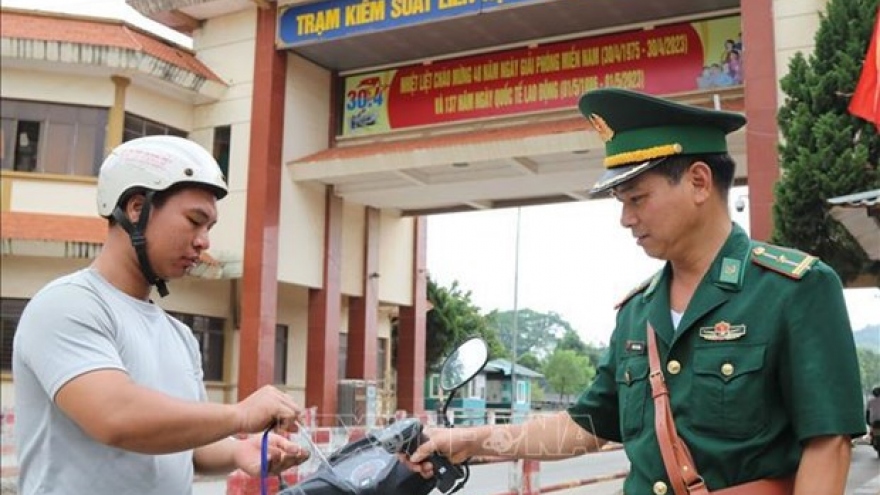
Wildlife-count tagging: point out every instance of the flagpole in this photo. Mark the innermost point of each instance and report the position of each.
(515, 315)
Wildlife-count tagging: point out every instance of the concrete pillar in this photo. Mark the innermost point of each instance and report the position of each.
(363, 312)
(325, 319)
(762, 132)
(116, 117)
(259, 295)
(411, 330)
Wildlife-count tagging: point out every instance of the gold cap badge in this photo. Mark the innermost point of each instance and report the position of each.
(605, 132)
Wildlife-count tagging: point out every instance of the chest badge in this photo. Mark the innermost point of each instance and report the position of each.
(722, 331)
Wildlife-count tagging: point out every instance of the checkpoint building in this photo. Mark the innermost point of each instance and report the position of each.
(342, 125)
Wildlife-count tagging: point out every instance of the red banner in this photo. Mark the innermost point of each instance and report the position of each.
(665, 60)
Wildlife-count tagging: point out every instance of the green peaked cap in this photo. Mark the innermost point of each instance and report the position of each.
(641, 131)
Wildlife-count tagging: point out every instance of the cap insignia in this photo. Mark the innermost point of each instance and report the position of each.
(605, 132)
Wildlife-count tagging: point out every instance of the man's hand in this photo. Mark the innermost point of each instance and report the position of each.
(456, 444)
(283, 454)
(267, 407)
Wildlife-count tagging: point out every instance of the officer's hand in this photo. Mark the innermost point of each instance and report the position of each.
(456, 444)
(283, 454)
(267, 407)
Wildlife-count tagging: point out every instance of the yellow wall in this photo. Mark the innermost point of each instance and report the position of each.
(78, 89)
(795, 25)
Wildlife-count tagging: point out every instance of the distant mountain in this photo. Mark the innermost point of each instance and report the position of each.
(868, 337)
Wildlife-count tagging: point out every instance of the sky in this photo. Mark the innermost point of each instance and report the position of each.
(113, 9)
(574, 259)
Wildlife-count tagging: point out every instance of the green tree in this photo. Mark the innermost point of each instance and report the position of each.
(572, 341)
(537, 333)
(452, 319)
(869, 367)
(529, 361)
(826, 151)
(568, 372)
(537, 394)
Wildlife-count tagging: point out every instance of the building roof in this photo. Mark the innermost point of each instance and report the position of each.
(44, 227)
(860, 214)
(503, 366)
(84, 31)
(858, 200)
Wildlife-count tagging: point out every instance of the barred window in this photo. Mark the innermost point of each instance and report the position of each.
(10, 313)
(136, 127)
(208, 331)
(343, 354)
(51, 138)
(222, 144)
(281, 334)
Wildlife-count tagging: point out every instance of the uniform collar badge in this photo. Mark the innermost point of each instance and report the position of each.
(722, 331)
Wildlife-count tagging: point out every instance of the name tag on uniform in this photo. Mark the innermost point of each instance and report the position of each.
(635, 347)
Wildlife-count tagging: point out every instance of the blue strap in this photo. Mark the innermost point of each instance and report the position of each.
(264, 462)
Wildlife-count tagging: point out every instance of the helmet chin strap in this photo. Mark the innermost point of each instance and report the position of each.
(139, 241)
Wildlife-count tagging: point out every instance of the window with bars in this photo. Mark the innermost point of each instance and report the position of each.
(208, 331)
(382, 357)
(222, 140)
(281, 335)
(51, 138)
(136, 127)
(10, 313)
(343, 354)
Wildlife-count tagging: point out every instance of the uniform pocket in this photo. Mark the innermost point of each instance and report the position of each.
(632, 390)
(729, 389)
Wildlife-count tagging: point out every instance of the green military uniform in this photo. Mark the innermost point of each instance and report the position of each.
(763, 358)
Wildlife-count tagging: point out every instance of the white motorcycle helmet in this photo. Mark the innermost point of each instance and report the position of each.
(149, 165)
(155, 163)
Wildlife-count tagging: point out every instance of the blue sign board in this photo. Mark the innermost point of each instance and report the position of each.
(334, 19)
(494, 4)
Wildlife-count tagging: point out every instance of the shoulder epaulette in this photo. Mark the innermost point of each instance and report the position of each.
(638, 289)
(789, 262)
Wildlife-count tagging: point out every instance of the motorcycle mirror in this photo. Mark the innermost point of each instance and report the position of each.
(464, 364)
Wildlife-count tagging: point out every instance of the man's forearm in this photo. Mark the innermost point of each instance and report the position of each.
(824, 466)
(215, 458)
(549, 437)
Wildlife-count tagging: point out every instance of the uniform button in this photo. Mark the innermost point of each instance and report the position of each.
(660, 488)
(726, 369)
(673, 367)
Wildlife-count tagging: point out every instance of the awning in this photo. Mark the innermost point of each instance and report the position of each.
(537, 159)
(70, 236)
(860, 214)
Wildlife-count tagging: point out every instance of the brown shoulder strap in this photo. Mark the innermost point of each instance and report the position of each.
(676, 457)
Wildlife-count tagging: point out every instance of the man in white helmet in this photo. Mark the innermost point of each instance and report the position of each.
(109, 391)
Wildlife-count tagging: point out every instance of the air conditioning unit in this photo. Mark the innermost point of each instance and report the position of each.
(357, 403)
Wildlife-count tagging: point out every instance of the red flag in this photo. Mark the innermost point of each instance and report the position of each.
(865, 102)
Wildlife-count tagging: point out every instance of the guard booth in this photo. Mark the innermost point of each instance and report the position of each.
(509, 405)
(468, 408)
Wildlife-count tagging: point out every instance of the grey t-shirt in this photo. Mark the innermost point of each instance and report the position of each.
(77, 324)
